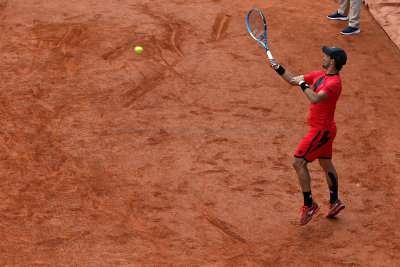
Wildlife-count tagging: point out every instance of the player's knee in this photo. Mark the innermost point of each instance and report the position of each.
(326, 165)
(298, 163)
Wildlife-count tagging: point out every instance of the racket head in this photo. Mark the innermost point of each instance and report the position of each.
(257, 26)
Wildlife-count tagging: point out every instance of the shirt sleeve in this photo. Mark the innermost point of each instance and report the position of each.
(309, 78)
(330, 88)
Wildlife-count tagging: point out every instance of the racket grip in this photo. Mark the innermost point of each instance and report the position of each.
(269, 54)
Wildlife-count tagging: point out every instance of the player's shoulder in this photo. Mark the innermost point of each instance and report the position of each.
(318, 73)
(333, 84)
(334, 79)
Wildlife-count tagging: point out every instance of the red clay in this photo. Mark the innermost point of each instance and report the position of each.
(182, 155)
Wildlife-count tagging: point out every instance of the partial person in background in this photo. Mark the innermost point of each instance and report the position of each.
(351, 8)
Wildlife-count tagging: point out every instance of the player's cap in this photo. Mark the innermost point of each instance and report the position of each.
(336, 53)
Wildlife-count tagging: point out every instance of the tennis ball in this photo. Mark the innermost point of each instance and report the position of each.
(138, 49)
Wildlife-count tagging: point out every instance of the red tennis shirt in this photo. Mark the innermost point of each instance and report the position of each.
(322, 114)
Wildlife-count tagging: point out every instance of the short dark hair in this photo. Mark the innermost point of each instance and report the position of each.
(338, 66)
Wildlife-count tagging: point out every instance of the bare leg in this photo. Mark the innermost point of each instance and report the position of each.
(328, 167)
(310, 208)
(300, 165)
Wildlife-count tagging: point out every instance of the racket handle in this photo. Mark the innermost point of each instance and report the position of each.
(269, 54)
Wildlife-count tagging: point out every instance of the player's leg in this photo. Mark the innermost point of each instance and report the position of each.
(310, 207)
(302, 157)
(300, 165)
(331, 177)
(335, 205)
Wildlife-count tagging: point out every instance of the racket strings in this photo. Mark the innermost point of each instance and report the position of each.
(257, 25)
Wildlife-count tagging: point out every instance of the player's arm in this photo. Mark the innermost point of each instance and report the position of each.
(286, 75)
(314, 97)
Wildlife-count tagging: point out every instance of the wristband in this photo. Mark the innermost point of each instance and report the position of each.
(303, 85)
(280, 70)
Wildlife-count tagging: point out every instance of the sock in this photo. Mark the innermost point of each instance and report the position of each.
(307, 199)
(333, 190)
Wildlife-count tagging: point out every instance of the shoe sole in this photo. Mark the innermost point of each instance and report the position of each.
(333, 214)
(301, 224)
(344, 18)
(357, 31)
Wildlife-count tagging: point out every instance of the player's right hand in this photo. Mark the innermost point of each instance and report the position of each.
(296, 80)
(273, 63)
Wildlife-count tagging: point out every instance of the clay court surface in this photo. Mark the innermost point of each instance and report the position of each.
(182, 155)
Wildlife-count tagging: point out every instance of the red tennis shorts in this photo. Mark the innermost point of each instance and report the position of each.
(316, 144)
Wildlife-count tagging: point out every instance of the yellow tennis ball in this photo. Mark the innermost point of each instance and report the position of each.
(138, 49)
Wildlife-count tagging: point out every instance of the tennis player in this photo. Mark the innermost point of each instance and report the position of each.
(317, 144)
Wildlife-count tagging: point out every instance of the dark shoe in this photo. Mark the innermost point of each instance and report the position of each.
(350, 30)
(334, 209)
(337, 16)
(308, 213)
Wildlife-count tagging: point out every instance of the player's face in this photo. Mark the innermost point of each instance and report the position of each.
(325, 62)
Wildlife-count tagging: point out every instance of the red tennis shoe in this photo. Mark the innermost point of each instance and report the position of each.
(308, 213)
(334, 209)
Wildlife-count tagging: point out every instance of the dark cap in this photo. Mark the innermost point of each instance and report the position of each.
(336, 53)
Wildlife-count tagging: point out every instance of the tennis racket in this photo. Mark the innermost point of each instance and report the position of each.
(258, 28)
